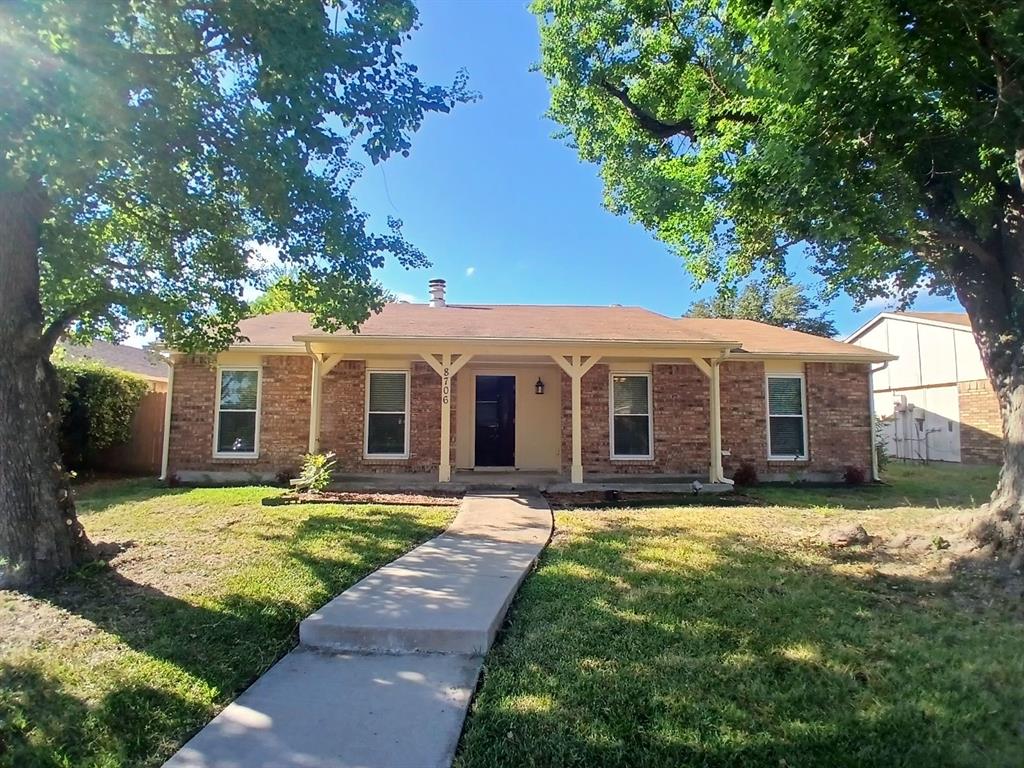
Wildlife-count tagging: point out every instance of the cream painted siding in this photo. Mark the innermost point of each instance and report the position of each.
(538, 417)
(917, 394)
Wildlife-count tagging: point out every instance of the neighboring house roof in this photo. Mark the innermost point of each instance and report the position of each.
(120, 356)
(512, 322)
(953, 318)
(956, 320)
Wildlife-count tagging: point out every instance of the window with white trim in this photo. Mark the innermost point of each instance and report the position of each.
(238, 407)
(787, 418)
(387, 418)
(631, 415)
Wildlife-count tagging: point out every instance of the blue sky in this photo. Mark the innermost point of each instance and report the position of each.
(506, 213)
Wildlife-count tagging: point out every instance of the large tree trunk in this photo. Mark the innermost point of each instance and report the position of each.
(994, 299)
(40, 535)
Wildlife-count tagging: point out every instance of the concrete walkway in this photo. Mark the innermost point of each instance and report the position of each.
(384, 673)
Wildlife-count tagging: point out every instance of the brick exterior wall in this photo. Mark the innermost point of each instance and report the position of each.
(981, 425)
(679, 398)
(744, 416)
(839, 416)
(284, 416)
(343, 420)
(838, 419)
(839, 430)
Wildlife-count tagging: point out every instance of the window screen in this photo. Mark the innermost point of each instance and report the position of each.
(631, 416)
(238, 405)
(786, 432)
(385, 419)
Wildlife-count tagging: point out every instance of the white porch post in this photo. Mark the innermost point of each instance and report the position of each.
(322, 365)
(576, 368)
(716, 474)
(576, 473)
(314, 405)
(710, 368)
(446, 369)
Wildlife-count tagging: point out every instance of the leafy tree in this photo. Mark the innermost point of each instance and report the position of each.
(97, 406)
(147, 148)
(887, 136)
(784, 304)
(282, 287)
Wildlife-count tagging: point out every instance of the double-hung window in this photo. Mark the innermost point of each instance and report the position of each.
(238, 413)
(787, 418)
(387, 414)
(631, 416)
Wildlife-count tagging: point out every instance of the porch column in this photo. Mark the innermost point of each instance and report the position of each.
(322, 365)
(314, 405)
(576, 367)
(716, 473)
(446, 369)
(710, 368)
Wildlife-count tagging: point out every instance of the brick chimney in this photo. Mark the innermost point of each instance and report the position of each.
(437, 292)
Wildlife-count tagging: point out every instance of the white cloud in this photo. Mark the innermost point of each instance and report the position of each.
(470, 271)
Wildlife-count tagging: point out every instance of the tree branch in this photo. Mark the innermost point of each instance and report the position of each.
(660, 128)
(646, 121)
(62, 321)
(940, 234)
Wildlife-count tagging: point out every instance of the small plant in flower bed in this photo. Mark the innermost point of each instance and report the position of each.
(854, 476)
(316, 473)
(745, 475)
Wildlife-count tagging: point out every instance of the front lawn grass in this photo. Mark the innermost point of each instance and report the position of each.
(729, 636)
(117, 665)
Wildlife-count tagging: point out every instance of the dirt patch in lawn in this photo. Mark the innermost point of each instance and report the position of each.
(391, 498)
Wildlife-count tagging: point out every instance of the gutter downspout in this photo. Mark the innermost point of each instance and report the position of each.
(875, 476)
(167, 419)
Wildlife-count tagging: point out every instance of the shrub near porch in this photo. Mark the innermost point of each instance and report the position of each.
(729, 636)
(120, 663)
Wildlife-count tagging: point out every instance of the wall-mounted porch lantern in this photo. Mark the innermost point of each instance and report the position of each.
(539, 387)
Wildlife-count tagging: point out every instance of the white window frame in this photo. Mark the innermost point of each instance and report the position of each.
(216, 412)
(649, 456)
(803, 415)
(366, 415)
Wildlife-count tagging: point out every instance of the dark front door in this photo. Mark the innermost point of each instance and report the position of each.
(495, 421)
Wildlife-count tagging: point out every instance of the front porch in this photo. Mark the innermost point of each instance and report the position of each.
(533, 414)
(483, 480)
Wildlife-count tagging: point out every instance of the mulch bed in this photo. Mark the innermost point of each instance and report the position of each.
(393, 498)
(604, 499)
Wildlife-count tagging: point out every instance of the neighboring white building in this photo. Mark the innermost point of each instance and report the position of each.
(935, 399)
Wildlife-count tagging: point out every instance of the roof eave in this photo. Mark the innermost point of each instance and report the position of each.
(514, 341)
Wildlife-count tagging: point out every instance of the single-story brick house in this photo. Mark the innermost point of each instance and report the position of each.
(583, 392)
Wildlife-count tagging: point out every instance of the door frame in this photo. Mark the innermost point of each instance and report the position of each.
(472, 433)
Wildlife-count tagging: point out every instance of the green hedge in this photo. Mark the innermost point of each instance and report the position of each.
(97, 406)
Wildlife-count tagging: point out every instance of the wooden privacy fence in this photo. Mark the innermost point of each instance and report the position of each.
(142, 454)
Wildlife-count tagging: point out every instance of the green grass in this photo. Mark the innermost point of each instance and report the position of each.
(726, 636)
(119, 664)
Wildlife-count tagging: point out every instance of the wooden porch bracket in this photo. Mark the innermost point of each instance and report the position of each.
(446, 368)
(576, 367)
(322, 365)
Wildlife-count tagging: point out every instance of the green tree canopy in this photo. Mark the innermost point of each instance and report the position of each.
(148, 148)
(785, 304)
(888, 137)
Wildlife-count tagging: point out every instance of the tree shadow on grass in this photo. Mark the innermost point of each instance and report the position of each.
(100, 496)
(43, 724)
(216, 646)
(618, 653)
